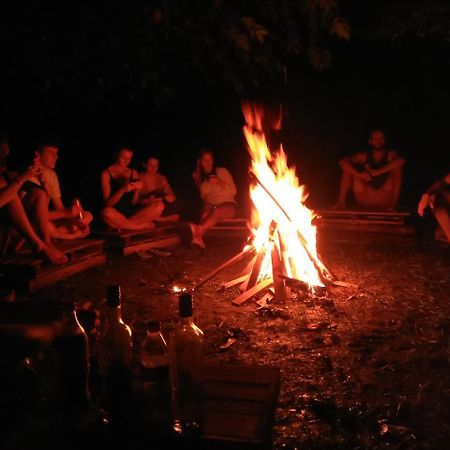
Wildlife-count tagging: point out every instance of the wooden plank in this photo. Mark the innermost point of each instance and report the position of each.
(146, 245)
(240, 405)
(253, 291)
(28, 266)
(234, 282)
(346, 212)
(369, 228)
(45, 278)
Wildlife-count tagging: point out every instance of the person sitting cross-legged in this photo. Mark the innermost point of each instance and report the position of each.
(120, 188)
(43, 202)
(157, 191)
(374, 176)
(217, 191)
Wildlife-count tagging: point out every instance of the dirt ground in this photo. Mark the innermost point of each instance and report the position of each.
(362, 367)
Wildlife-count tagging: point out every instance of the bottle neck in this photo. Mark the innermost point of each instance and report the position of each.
(114, 314)
(70, 324)
(186, 321)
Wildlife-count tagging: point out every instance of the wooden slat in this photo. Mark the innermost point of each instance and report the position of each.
(146, 245)
(253, 291)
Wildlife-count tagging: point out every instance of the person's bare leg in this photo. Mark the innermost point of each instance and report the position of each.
(36, 206)
(21, 222)
(218, 213)
(396, 180)
(148, 214)
(115, 219)
(344, 189)
(443, 219)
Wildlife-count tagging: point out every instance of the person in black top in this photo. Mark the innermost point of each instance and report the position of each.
(120, 189)
(437, 199)
(374, 176)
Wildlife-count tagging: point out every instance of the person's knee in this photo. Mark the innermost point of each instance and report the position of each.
(107, 212)
(87, 218)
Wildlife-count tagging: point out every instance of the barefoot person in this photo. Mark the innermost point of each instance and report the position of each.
(437, 199)
(156, 191)
(217, 191)
(120, 189)
(45, 205)
(13, 215)
(374, 176)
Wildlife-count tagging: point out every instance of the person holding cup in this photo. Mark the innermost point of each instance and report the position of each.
(120, 189)
(217, 191)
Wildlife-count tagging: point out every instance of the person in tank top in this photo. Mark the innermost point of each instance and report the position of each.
(374, 177)
(120, 189)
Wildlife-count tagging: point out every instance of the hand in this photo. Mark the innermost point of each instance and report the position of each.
(425, 201)
(364, 176)
(32, 171)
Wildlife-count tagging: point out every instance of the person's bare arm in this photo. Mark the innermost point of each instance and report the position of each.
(394, 163)
(427, 198)
(111, 200)
(57, 203)
(347, 166)
(8, 191)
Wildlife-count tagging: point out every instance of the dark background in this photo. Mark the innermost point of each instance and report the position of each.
(52, 87)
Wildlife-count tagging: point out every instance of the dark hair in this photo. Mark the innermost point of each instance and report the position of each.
(202, 175)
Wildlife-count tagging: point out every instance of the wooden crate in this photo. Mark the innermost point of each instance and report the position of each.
(26, 273)
(240, 405)
(128, 242)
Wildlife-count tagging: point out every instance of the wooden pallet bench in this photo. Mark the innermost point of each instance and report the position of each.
(128, 242)
(25, 273)
(230, 227)
(366, 221)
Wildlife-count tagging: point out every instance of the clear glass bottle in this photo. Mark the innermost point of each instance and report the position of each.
(115, 359)
(154, 368)
(186, 368)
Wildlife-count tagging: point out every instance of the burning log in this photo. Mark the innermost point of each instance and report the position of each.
(254, 273)
(253, 291)
(232, 283)
(231, 261)
(281, 292)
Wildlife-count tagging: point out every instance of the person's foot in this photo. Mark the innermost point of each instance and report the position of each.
(198, 242)
(53, 255)
(339, 205)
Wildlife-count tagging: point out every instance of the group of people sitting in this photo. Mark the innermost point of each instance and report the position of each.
(34, 214)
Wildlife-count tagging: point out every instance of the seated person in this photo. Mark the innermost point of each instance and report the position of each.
(13, 215)
(437, 199)
(44, 204)
(120, 188)
(374, 176)
(217, 191)
(156, 190)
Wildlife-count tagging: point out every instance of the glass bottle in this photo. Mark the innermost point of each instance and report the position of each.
(154, 368)
(71, 351)
(186, 368)
(115, 359)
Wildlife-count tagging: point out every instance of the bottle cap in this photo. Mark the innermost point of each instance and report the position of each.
(185, 304)
(114, 295)
(153, 326)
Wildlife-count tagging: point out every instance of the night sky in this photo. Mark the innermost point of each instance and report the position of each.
(165, 78)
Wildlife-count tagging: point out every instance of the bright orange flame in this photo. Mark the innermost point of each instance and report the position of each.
(295, 236)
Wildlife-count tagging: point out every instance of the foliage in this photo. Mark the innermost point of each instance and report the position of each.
(157, 47)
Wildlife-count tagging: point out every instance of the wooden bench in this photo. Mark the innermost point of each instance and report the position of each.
(230, 227)
(25, 273)
(366, 221)
(128, 242)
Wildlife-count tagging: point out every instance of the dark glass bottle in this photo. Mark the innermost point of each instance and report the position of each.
(115, 360)
(71, 349)
(186, 369)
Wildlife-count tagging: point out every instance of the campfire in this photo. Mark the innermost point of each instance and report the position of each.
(283, 237)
